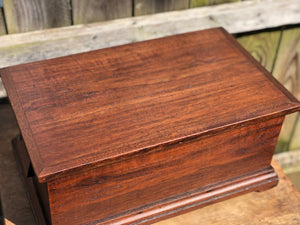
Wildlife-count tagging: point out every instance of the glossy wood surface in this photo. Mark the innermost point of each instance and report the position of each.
(87, 109)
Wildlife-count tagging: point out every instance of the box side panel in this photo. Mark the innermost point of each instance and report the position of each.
(162, 176)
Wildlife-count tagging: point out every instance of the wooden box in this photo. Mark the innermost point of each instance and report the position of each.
(141, 132)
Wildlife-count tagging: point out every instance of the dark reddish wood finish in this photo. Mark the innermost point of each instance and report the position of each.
(168, 177)
(140, 132)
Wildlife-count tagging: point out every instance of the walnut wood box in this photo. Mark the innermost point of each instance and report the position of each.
(140, 132)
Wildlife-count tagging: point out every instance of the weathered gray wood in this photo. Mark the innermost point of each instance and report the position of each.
(2, 25)
(143, 7)
(197, 3)
(29, 15)
(240, 17)
(89, 11)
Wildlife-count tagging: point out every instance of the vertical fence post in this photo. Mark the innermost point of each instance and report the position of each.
(295, 139)
(2, 23)
(262, 46)
(142, 7)
(287, 71)
(29, 15)
(89, 11)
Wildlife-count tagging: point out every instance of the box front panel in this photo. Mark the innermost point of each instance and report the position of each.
(162, 175)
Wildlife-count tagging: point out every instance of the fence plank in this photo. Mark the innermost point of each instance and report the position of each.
(287, 71)
(286, 133)
(262, 46)
(197, 3)
(22, 48)
(29, 15)
(89, 11)
(2, 25)
(295, 140)
(287, 66)
(143, 7)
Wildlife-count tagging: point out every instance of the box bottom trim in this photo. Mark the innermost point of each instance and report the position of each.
(260, 180)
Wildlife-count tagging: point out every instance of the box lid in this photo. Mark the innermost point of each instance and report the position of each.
(87, 109)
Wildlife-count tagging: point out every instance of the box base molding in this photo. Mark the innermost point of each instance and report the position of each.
(258, 181)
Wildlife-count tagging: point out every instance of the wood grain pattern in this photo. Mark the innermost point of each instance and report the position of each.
(140, 132)
(28, 15)
(99, 10)
(287, 71)
(249, 209)
(121, 100)
(2, 24)
(198, 3)
(262, 46)
(125, 192)
(142, 7)
(119, 193)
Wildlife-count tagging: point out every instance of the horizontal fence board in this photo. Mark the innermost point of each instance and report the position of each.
(287, 71)
(197, 3)
(39, 45)
(89, 11)
(149, 27)
(29, 15)
(143, 7)
(2, 24)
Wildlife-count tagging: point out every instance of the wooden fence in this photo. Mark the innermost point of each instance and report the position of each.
(278, 50)
(27, 15)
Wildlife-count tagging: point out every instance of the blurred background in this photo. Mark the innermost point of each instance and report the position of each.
(32, 30)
